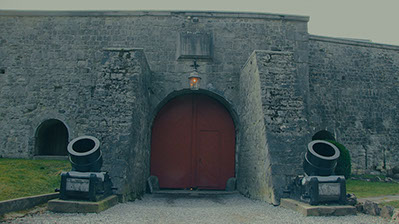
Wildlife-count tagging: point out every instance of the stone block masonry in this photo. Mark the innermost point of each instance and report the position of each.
(354, 90)
(84, 70)
(79, 68)
(51, 60)
(274, 126)
(254, 176)
(284, 94)
(120, 106)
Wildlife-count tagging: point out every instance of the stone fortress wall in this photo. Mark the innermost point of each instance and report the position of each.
(354, 92)
(108, 73)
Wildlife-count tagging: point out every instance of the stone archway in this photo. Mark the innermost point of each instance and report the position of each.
(51, 138)
(193, 143)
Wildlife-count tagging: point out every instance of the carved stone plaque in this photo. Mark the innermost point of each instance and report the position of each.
(194, 45)
(329, 189)
(74, 184)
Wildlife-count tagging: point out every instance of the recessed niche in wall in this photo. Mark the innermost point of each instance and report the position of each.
(51, 139)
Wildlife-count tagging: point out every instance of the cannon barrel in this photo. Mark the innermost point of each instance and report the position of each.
(320, 158)
(85, 154)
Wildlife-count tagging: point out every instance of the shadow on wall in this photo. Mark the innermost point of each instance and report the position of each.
(323, 135)
(51, 138)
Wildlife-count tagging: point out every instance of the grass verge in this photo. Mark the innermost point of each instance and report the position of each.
(26, 177)
(364, 189)
(394, 204)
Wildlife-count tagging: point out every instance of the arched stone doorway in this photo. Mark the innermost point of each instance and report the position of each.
(193, 143)
(51, 138)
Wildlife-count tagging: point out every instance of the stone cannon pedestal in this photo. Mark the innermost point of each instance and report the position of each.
(75, 206)
(85, 189)
(316, 189)
(317, 210)
(92, 186)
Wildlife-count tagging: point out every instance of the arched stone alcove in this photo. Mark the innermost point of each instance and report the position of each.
(51, 138)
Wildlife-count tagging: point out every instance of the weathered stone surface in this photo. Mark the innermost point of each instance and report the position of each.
(359, 207)
(25, 202)
(66, 57)
(376, 179)
(63, 72)
(83, 71)
(153, 184)
(119, 117)
(321, 210)
(395, 216)
(388, 179)
(371, 208)
(231, 184)
(387, 211)
(389, 173)
(352, 88)
(395, 170)
(195, 46)
(252, 180)
(351, 199)
(274, 123)
(68, 206)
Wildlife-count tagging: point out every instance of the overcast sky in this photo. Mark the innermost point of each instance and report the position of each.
(376, 20)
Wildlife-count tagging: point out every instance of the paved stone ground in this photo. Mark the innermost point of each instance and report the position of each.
(194, 209)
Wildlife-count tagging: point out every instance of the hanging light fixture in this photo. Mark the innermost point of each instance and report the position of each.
(194, 80)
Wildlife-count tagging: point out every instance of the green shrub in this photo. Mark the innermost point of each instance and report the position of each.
(344, 161)
(323, 135)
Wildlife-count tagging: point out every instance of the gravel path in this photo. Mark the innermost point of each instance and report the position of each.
(190, 209)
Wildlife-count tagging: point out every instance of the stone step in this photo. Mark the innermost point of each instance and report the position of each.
(193, 192)
(70, 206)
(317, 210)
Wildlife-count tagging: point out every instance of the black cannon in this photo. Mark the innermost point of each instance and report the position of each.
(319, 184)
(85, 154)
(320, 158)
(85, 181)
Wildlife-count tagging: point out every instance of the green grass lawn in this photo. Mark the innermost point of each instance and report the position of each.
(394, 204)
(26, 177)
(363, 189)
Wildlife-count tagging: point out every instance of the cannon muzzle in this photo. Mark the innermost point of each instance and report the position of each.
(85, 154)
(320, 158)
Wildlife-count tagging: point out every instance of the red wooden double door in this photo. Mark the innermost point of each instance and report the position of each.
(193, 144)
